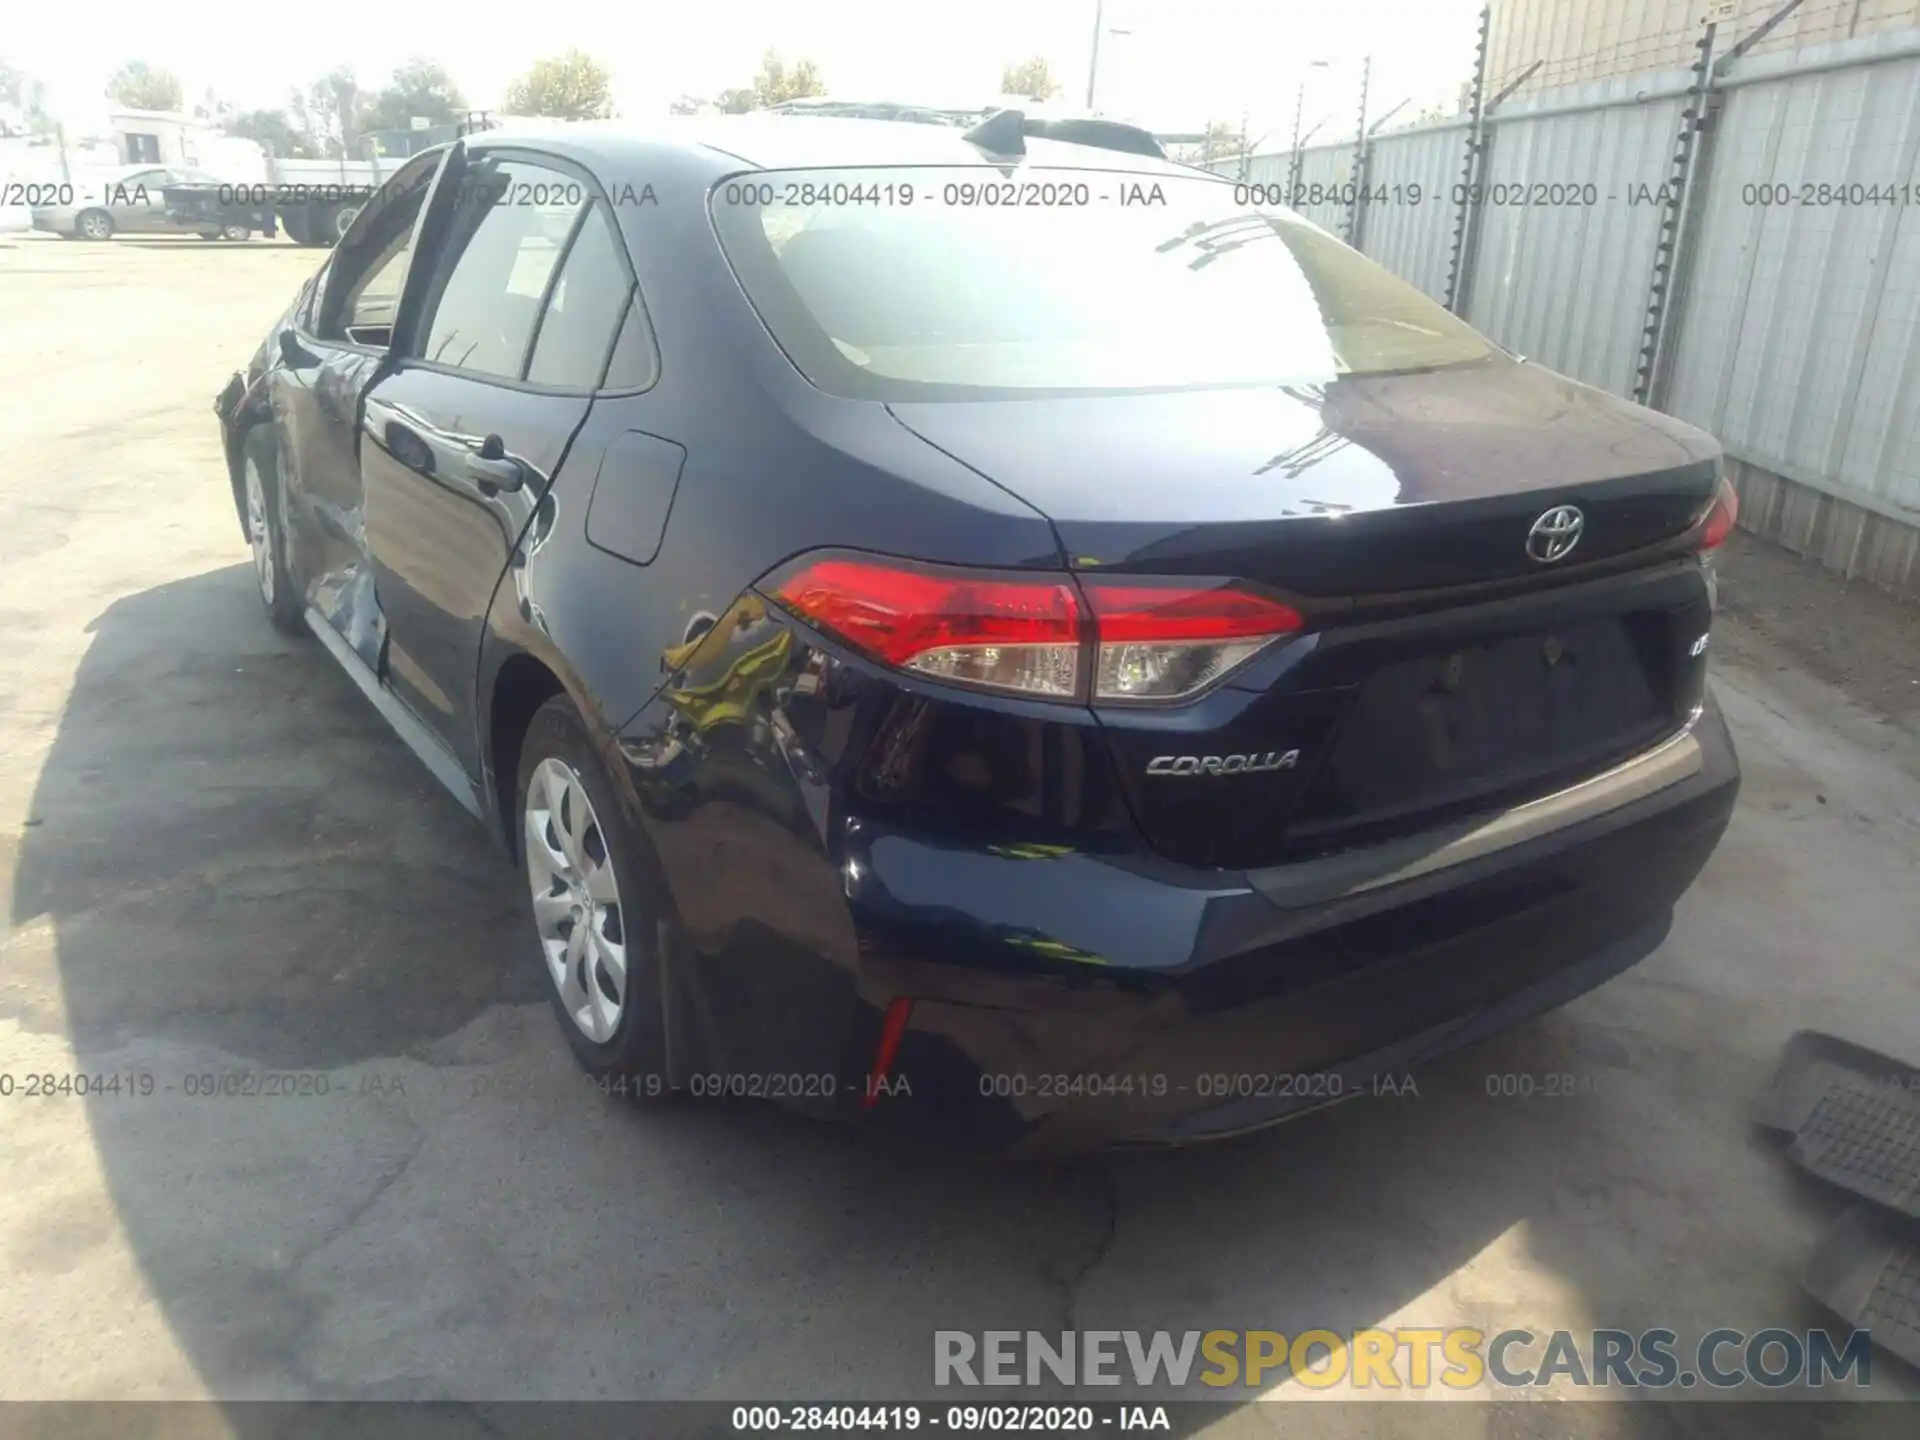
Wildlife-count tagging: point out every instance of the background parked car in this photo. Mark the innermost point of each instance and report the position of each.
(127, 200)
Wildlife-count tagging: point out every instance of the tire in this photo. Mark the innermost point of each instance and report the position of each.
(235, 232)
(209, 234)
(266, 531)
(327, 223)
(297, 224)
(93, 225)
(616, 1028)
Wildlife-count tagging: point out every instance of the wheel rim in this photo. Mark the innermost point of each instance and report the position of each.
(258, 535)
(236, 232)
(343, 219)
(95, 227)
(576, 900)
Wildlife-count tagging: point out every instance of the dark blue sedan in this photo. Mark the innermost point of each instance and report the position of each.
(976, 629)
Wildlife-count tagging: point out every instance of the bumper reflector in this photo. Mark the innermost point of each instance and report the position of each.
(892, 1028)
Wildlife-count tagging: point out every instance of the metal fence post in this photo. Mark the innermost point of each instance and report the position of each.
(1470, 173)
(1687, 249)
(1673, 250)
(1355, 221)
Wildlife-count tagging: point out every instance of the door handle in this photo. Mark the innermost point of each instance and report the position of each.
(493, 470)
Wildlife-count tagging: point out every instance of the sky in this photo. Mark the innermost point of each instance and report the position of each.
(1181, 63)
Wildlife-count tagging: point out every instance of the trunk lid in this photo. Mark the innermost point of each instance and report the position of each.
(1364, 486)
(1446, 670)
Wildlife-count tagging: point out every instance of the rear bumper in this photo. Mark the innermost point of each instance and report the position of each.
(1181, 1007)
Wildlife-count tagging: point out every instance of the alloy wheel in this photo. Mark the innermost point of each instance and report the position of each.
(576, 900)
(258, 535)
(96, 226)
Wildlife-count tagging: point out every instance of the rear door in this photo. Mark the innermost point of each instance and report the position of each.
(462, 438)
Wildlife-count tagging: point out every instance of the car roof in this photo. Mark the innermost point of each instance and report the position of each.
(807, 142)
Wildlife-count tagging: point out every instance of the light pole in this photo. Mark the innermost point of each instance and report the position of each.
(1093, 63)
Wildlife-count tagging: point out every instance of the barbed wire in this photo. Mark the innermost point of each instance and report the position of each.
(1632, 52)
(1670, 48)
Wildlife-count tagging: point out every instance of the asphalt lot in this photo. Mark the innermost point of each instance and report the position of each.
(218, 859)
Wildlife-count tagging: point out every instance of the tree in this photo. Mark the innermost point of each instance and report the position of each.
(1222, 142)
(1029, 78)
(736, 102)
(775, 84)
(139, 86)
(329, 112)
(421, 88)
(25, 101)
(276, 132)
(573, 86)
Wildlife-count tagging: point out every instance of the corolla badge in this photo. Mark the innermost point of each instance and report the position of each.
(1187, 765)
(1555, 534)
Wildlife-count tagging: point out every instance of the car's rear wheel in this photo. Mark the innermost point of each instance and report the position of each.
(235, 232)
(266, 532)
(597, 912)
(94, 225)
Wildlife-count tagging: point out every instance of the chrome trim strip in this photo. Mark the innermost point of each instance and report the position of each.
(1314, 882)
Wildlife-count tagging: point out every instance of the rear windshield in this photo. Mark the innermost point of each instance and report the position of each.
(935, 283)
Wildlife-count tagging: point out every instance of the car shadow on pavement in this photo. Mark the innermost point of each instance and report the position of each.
(350, 1156)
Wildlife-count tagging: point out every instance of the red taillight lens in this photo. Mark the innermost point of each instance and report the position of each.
(1167, 642)
(995, 632)
(1152, 642)
(1720, 519)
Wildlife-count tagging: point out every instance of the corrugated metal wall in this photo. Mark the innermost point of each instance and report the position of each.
(1567, 246)
(1413, 237)
(1800, 345)
(1798, 340)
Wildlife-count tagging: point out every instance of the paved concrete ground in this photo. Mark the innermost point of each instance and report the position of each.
(218, 860)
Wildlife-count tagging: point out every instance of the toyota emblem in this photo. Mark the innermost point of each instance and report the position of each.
(1555, 534)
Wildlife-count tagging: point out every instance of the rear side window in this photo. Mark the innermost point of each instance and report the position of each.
(585, 310)
(505, 247)
(632, 366)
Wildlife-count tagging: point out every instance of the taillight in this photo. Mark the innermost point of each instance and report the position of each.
(1150, 641)
(1159, 642)
(1719, 520)
(992, 632)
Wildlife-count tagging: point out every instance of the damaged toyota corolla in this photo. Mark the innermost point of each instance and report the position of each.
(963, 629)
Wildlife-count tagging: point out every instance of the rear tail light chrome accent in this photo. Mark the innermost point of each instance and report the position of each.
(1103, 639)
